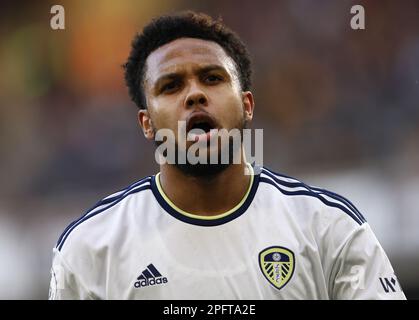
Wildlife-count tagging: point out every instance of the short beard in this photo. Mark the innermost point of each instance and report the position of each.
(209, 170)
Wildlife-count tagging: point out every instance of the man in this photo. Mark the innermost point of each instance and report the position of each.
(210, 231)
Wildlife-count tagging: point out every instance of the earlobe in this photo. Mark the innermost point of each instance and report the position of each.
(150, 133)
(146, 124)
(249, 104)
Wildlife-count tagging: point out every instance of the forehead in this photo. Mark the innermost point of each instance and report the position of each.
(184, 53)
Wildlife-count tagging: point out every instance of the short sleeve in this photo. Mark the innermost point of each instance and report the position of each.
(362, 270)
(64, 284)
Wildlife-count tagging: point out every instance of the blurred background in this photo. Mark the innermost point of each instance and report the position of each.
(339, 109)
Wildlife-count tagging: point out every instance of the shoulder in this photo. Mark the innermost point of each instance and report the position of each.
(297, 192)
(101, 215)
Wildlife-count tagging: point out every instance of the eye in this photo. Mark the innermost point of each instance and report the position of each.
(169, 87)
(213, 78)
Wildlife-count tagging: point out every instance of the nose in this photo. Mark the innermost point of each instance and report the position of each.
(196, 97)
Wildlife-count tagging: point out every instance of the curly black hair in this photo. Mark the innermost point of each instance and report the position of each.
(167, 28)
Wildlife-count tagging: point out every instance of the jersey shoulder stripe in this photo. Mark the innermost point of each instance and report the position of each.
(291, 186)
(104, 205)
(103, 202)
(119, 193)
(327, 193)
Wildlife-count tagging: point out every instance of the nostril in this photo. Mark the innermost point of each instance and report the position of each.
(196, 99)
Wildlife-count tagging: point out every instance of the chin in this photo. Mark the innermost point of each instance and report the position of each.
(202, 170)
(208, 169)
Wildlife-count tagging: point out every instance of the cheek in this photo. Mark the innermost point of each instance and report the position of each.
(231, 111)
(164, 114)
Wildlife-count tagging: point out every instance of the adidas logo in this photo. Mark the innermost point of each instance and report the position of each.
(150, 277)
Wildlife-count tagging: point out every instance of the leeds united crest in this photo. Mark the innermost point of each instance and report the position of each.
(277, 265)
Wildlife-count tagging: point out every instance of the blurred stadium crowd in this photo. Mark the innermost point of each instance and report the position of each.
(338, 107)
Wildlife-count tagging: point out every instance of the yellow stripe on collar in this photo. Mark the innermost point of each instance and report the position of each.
(194, 216)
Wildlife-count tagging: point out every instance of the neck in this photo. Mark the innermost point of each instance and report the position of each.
(202, 195)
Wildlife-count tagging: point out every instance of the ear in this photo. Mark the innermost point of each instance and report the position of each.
(248, 104)
(146, 124)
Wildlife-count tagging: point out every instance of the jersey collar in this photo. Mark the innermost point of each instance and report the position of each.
(206, 221)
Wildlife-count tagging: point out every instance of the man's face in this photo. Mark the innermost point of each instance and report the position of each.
(195, 81)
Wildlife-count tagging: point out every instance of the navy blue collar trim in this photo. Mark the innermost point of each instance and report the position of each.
(201, 222)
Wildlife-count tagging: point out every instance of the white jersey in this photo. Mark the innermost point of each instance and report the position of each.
(284, 240)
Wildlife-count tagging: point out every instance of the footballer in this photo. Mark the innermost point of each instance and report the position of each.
(223, 230)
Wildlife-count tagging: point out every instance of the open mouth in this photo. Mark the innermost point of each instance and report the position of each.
(199, 125)
(205, 126)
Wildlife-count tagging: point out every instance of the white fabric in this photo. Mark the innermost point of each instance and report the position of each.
(336, 256)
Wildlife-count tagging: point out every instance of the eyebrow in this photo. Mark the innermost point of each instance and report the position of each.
(199, 71)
